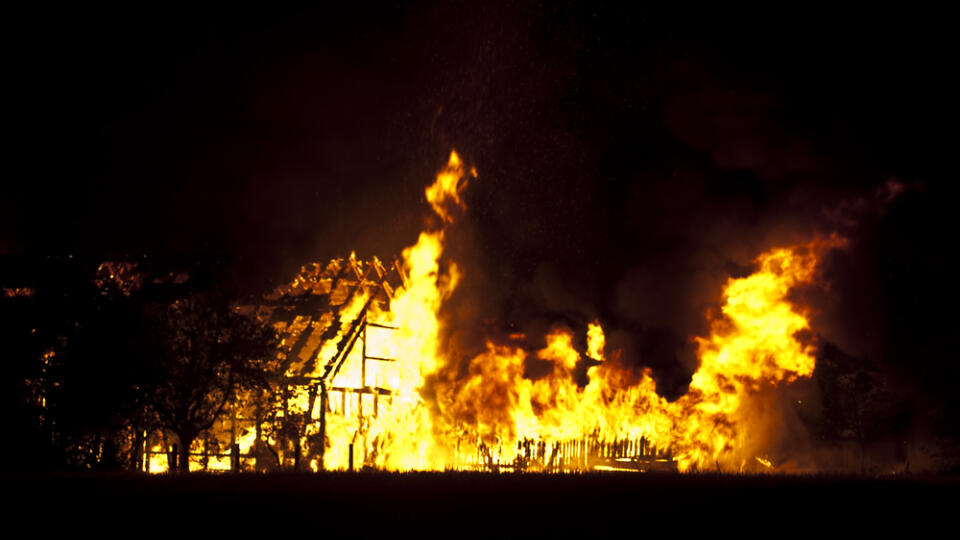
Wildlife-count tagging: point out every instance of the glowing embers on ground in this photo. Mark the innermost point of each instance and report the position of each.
(355, 392)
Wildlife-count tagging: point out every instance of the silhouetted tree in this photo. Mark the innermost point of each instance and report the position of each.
(68, 348)
(286, 425)
(858, 403)
(97, 355)
(95, 387)
(201, 353)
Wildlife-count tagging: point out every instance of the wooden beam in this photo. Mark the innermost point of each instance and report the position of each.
(378, 325)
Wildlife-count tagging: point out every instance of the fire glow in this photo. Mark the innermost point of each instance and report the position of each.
(373, 387)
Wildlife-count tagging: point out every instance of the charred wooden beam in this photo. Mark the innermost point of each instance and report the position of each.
(376, 390)
(380, 358)
(323, 421)
(387, 326)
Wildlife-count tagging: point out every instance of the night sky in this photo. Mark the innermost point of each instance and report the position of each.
(629, 161)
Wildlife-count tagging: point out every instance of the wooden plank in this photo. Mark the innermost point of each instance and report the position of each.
(380, 359)
(387, 326)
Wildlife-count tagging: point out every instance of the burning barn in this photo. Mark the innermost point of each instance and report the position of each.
(364, 381)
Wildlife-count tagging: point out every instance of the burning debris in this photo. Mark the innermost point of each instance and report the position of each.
(18, 292)
(120, 274)
(363, 380)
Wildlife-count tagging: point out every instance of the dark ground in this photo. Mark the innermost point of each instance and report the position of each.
(479, 504)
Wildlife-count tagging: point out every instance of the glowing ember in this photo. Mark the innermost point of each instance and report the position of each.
(18, 292)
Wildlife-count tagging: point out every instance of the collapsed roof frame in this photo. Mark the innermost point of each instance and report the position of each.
(314, 303)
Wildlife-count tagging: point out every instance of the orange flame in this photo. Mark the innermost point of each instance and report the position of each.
(451, 181)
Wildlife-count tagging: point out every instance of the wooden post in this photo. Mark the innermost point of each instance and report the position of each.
(350, 458)
(143, 464)
(235, 457)
(359, 393)
(323, 421)
(173, 458)
(363, 357)
(586, 454)
(234, 462)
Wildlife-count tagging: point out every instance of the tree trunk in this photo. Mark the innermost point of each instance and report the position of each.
(183, 452)
(298, 451)
(137, 456)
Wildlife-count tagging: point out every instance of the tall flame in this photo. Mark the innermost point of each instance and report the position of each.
(446, 190)
(755, 344)
(401, 435)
